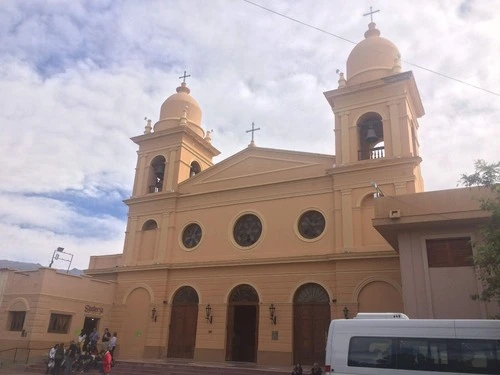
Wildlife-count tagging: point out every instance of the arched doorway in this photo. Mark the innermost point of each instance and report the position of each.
(311, 318)
(379, 296)
(133, 339)
(242, 324)
(183, 324)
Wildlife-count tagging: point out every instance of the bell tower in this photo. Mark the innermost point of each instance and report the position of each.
(376, 108)
(172, 151)
(175, 148)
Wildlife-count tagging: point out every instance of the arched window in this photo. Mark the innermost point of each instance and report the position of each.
(194, 169)
(186, 295)
(150, 225)
(244, 293)
(371, 137)
(311, 293)
(156, 174)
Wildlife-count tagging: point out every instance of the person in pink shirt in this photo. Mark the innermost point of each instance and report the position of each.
(106, 363)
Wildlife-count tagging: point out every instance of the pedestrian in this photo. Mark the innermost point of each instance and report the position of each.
(297, 370)
(69, 358)
(106, 362)
(105, 339)
(316, 370)
(50, 363)
(112, 346)
(58, 358)
(94, 339)
(81, 340)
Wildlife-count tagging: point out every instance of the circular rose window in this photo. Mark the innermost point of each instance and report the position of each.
(311, 224)
(247, 230)
(191, 236)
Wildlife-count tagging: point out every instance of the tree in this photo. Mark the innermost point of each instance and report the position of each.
(487, 258)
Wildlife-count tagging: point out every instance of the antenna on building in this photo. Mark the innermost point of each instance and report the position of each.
(378, 192)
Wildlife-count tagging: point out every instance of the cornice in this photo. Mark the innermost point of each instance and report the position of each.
(335, 257)
(184, 130)
(372, 164)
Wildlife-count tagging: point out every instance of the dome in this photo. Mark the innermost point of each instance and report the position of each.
(177, 106)
(372, 58)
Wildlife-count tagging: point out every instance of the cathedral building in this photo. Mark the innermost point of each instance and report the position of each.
(249, 259)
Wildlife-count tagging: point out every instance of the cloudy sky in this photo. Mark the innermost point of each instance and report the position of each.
(77, 78)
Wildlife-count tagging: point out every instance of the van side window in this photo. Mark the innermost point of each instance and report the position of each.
(426, 354)
(370, 352)
(479, 355)
(423, 354)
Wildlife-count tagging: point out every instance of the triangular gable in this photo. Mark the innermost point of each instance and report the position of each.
(258, 166)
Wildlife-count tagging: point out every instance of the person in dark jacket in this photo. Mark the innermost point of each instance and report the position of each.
(58, 359)
(69, 358)
(297, 370)
(316, 370)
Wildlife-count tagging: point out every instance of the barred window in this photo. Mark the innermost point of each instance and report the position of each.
(59, 323)
(16, 319)
(449, 252)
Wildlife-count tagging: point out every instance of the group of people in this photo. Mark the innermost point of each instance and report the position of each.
(89, 342)
(61, 360)
(315, 370)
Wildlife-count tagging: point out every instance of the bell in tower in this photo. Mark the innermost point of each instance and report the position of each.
(157, 174)
(371, 137)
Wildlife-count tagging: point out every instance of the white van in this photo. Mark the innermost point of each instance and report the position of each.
(390, 344)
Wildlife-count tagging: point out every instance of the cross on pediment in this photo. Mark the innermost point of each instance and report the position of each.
(253, 130)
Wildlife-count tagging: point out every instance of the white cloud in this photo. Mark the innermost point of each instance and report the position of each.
(77, 81)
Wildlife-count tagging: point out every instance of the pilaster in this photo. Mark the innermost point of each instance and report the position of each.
(130, 236)
(395, 129)
(347, 224)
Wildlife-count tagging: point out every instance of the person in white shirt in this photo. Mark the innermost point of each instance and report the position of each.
(52, 355)
(112, 346)
(81, 340)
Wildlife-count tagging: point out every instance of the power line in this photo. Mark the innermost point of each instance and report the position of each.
(300, 22)
(350, 41)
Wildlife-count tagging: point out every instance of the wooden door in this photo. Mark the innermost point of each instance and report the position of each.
(310, 329)
(182, 337)
(229, 332)
(242, 324)
(311, 319)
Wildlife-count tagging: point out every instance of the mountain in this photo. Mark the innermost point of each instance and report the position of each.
(24, 266)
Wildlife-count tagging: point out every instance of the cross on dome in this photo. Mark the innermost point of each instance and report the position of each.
(184, 77)
(370, 13)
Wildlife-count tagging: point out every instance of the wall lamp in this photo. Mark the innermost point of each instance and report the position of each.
(208, 314)
(272, 313)
(346, 312)
(154, 316)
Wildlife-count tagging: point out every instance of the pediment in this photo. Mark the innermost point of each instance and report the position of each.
(258, 166)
